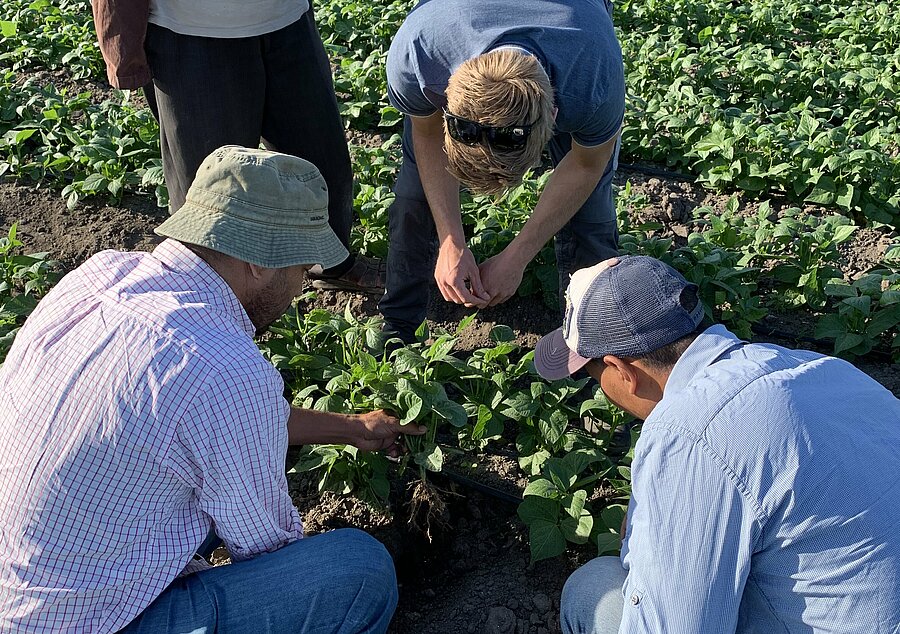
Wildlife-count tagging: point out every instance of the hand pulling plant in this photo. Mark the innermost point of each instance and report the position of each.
(339, 364)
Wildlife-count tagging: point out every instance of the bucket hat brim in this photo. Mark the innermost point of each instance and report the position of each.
(264, 244)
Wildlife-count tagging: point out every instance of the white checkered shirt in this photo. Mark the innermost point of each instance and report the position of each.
(135, 412)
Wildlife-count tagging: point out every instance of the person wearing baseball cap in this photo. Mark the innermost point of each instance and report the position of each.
(138, 421)
(765, 483)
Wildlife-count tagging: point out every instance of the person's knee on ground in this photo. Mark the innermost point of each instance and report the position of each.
(366, 570)
(591, 601)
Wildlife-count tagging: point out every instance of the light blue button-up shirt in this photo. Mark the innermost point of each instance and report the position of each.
(766, 497)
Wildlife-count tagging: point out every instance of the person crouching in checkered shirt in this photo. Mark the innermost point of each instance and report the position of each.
(138, 418)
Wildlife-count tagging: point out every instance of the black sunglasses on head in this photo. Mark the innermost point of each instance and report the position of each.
(509, 137)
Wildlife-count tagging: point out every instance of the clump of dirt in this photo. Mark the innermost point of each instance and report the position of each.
(864, 252)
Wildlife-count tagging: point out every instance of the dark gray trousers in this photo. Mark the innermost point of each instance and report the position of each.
(209, 92)
(591, 236)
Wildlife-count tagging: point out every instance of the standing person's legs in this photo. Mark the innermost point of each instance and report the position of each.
(591, 601)
(301, 117)
(412, 249)
(341, 582)
(592, 235)
(209, 92)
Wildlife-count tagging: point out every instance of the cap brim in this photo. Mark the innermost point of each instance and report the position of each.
(554, 360)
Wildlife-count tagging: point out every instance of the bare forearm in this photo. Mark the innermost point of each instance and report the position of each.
(372, 431)
(441, 188)
(311, 427)
(567, 190)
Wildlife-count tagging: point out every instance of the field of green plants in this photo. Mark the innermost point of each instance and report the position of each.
(788, 104)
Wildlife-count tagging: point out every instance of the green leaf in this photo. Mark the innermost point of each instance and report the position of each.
(546, 540)
(843, 233)
(807, 127)
(883, 321)
(538, 508)
(452, 412)
(502, 334)
(408, 360)
(839, 288)
(519, 406)
(577, 531)
(381, 487)
(863, 303)
(607, 543)
(845, 195)
(541, 488)
(94, 182)
(8, 28)
(580, 460)
(613, 515)
(560, 473)
(411, 404)
(846, 341)
(576, 503)
(465, 322)
(390, 116)
(552, 426)
(440, 348)
(830, 327)
(23, 135)
(432, 457)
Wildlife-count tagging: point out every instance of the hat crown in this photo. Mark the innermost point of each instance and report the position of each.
(628, 310)
(260, 207)
(261, 183)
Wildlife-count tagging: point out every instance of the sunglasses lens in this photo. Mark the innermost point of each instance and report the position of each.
(464, 131)
(509, 138)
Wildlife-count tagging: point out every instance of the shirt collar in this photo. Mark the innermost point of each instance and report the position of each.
(179, 258)
(703, 352)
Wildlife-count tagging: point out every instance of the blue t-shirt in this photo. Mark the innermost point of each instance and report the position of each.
(574, 41)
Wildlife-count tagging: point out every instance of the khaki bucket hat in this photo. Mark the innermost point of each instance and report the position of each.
(260, 207)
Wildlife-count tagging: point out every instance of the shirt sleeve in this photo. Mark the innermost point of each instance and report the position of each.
(603, 124)
(690, 539)
(605, 117)
(121, 28)
(230, 449)
(405, 90)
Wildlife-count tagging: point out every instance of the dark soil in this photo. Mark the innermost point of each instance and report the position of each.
(475, 575)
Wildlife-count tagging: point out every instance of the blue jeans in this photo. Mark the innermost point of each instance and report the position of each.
(591, 236)
(592, 600)
(342, 582)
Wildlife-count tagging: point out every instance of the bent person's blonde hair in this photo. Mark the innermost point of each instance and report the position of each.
(499, 88)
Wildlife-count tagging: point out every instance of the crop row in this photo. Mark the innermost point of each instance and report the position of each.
(578, 481)
(763, 97)
(338, 363)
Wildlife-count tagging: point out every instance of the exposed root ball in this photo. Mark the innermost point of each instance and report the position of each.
(427, 508)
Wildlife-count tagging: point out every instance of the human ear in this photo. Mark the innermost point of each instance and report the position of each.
(258, 276)
(624, 372)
